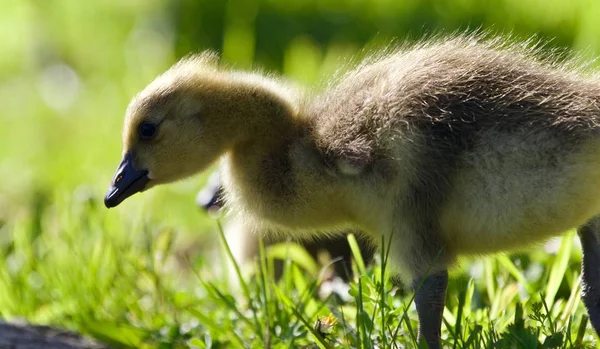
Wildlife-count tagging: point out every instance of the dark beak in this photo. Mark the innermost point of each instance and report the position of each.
(127, 181)
(210, 198)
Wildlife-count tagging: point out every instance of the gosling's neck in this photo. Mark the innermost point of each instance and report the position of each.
(270, 170)
(263, 114)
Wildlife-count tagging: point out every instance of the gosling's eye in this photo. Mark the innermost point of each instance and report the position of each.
(147, 131)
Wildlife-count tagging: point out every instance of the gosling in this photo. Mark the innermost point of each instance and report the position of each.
(455, 146)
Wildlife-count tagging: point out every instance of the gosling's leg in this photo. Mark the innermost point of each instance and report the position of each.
(590, 270)
(430, 299)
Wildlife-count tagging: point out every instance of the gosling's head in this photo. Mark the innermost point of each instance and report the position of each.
(177, 126)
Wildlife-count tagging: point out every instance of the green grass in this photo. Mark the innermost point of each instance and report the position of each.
(144, 275)
(82, 268)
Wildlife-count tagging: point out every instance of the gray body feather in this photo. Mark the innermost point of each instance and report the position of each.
(455, 147)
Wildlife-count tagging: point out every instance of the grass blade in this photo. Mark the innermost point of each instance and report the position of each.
(238, 273)
(559, 268)
(360, 263)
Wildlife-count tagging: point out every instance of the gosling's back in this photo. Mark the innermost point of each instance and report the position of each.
(488, 147)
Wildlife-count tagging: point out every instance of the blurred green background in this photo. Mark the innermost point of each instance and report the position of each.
(68, 69)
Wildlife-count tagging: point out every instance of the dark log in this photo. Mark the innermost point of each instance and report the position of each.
(26, 336)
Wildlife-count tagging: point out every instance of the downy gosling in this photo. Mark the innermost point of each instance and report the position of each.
(455, 146)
